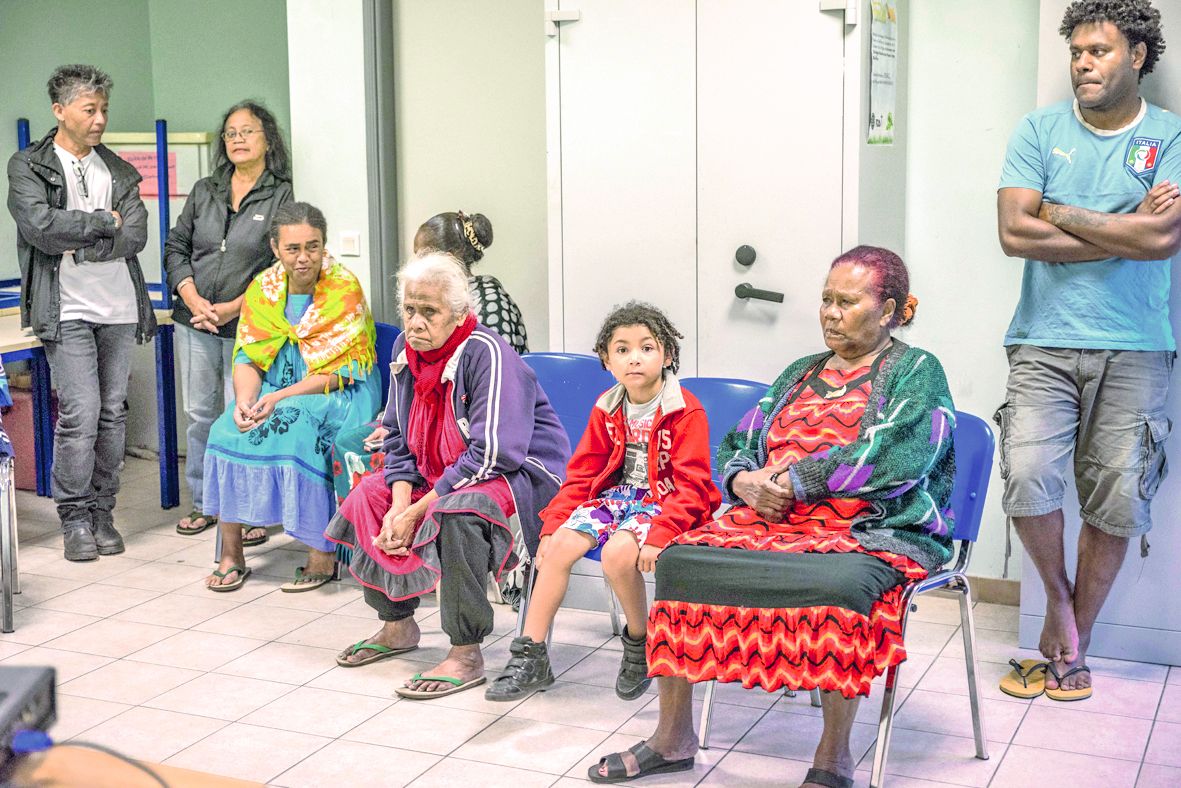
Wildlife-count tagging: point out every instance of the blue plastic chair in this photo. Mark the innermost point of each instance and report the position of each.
(974, 448)
(386, 334)
(726, 401)
(573, 383)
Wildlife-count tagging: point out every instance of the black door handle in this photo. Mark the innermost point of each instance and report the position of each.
(745, 290)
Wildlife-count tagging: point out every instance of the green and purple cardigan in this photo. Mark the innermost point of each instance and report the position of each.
(902, 461)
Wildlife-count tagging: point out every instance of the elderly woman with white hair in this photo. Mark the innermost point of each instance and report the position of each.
(472, 445)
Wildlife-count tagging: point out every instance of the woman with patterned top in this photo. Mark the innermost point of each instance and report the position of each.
(840, 480)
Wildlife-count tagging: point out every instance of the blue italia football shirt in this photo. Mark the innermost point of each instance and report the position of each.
(1112, 304)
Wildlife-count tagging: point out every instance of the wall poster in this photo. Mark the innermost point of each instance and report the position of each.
(883, 70)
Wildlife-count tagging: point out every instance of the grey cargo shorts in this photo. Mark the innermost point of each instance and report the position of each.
(1107, 408)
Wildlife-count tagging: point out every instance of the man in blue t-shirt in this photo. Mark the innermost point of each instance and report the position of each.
(1088, 197)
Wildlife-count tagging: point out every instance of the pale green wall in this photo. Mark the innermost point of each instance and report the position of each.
(182, 61)
(470, 107)
(207, 56)
(35, 38)
(959, 124)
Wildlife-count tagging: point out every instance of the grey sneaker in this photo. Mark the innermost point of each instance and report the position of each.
(107, 539)
(79, 543)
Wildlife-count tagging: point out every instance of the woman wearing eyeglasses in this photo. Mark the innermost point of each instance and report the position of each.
(219, 244)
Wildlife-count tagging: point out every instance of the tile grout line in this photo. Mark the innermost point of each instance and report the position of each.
(1160, 702)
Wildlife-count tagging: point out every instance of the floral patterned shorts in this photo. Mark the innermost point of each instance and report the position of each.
(618, 508)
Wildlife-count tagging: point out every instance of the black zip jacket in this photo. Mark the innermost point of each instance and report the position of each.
(221, 249)
(46, 230)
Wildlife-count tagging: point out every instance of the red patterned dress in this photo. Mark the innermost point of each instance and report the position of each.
(827, 646)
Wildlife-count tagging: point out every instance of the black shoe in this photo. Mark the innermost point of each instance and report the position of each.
(528, 670)
(107, 539)
(632, 680)
(79, 543)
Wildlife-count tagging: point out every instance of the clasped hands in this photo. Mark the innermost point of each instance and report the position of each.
(207, 316)
(763, 491)
(398, 528)
(248, 415)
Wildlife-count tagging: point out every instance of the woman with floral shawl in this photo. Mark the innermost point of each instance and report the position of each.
(303, 364)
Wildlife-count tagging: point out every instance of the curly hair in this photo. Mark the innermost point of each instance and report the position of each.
(1136, 19)
(638, 313)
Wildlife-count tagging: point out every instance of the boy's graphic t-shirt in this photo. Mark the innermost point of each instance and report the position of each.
(639, 429)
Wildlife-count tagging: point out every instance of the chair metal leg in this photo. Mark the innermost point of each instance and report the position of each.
(613, 604)
(526, 595)
(7, 547)
(968, 624)
(877, 777)
(217, 544)
(16, 546)
(815, 695)
(707, 709)
(885, 728)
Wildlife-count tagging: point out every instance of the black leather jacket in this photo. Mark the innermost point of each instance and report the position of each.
(223, 251)
(46, 230)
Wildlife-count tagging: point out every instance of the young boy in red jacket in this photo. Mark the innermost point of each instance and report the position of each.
(639, 477)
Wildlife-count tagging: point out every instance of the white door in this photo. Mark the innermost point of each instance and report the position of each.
(627, 165)
(769, 171)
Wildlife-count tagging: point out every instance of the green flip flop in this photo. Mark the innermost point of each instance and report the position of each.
(380, 652)
(243, 573)
(457, 685)
(305, 581)
(197, 514)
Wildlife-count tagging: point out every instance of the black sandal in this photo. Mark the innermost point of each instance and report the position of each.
(647, 762)
(528, 670)
(827, 779)
(632, 680)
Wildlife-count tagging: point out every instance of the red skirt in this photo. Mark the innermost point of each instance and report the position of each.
(826, 646)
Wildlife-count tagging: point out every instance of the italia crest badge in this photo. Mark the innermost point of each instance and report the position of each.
(1142, 155)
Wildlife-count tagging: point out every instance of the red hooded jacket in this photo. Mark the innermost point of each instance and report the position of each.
(678, 463)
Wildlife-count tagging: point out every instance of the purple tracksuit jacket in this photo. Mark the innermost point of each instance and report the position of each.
(507, 422)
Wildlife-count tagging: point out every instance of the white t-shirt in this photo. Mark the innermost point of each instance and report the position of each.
(98, 292)
(638, 418)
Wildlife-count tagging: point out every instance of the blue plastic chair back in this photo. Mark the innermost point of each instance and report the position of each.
(726, 401)
(572, 383)
(386, 334)
(974, 446)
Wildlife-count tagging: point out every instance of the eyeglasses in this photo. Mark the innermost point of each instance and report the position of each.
(245, 134)
(80, 174)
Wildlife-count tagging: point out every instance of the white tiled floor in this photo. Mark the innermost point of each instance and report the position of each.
(245, 685)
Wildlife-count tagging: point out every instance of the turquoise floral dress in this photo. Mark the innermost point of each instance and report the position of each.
(281, 471)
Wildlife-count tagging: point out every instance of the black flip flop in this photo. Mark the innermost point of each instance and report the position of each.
(256, 541)
(648, 762)
(827, 779)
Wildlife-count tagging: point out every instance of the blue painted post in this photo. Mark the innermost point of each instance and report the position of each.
(42, 420)
(165, 372)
